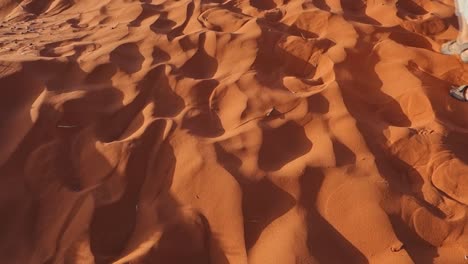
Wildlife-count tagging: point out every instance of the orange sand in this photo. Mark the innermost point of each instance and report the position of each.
(245, 131)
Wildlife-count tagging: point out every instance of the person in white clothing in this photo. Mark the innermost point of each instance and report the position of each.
(459, 46)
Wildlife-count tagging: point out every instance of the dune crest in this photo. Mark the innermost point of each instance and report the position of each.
(240, 131)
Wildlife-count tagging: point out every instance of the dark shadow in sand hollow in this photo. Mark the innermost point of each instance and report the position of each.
(19, 205)
(201, 65)
(418, 249)
(113, 224)
(275, 152)
(270, 70)
(36, 7)
(148, 11)
(343, 154)
(178, 31)
(159, 56)
(457, 144)
(262, 202)
(49, 49)
(201, 120)
(409, 39)
(162, 25)
(55, 131)
(183, 240)
(317, 103)
(355, 10)
(263, 4)
(324, 242)
(167, 103)
(408, 8)
(372, 120)
(321, 4)
(127, 57)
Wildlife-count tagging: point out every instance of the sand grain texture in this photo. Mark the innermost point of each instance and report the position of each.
(243, 131)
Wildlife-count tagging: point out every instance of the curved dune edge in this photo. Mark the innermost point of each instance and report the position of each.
(267, 131)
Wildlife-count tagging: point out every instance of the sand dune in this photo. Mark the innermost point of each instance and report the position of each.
(244, 131)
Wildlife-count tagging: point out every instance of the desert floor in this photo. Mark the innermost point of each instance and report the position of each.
(260, 132)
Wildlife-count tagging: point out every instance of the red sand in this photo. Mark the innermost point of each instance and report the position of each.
(261, 131)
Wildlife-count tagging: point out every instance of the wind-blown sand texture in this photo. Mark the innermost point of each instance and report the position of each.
(245, 131)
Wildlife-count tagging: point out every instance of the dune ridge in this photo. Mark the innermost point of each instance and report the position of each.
(239, 131)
